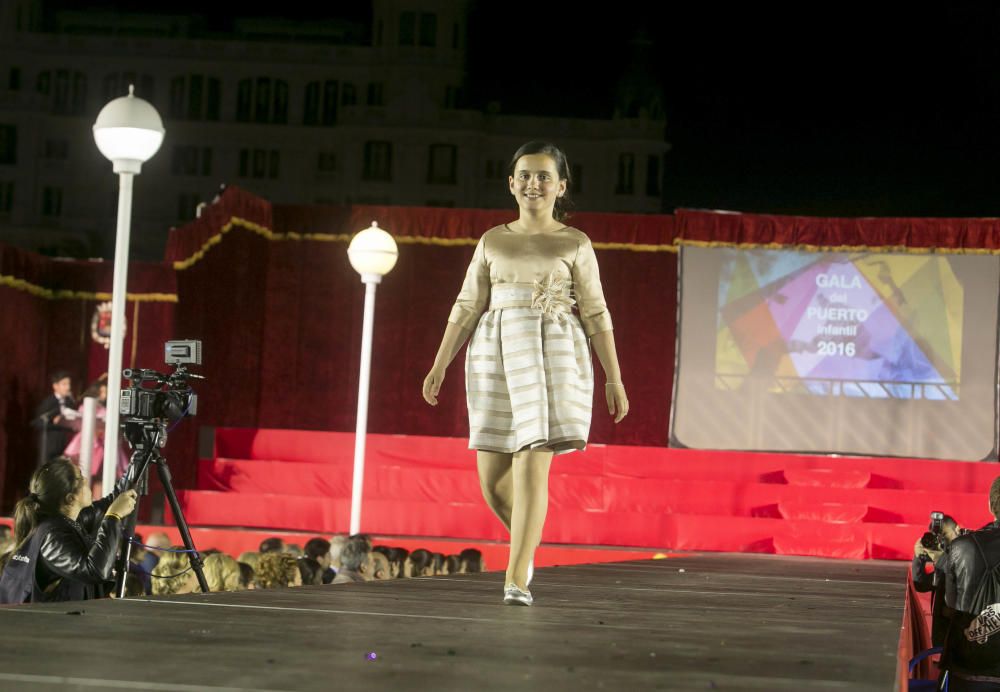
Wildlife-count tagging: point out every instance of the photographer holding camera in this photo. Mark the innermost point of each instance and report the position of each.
(967, 606)
(930, 547)
(65, 545)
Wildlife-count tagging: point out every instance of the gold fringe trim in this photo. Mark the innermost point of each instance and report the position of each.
(50, 294)
(268, 234)
(681, 242)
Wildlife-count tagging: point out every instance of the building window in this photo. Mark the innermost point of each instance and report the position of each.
(187, 206)
(52, 201)
(653, 176)
(376, 94)
(193, 97)
(310, 112)
(262, 100)
(244, 99)
(69, 93)
(319, 111)
(378, 161)
(14, 80)
(8, 144)
(428, 29)
(576, 170)
(6, 197)
(56, 149)
(259, 163)
(407, 28)
(189, 160)
(327, 162)
(495, 169)
(349, 95)
(626, 174)
(441, 164)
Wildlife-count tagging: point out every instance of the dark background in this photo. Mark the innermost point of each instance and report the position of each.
(841, 109)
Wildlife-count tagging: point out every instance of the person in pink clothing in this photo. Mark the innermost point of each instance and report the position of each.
(98, 390)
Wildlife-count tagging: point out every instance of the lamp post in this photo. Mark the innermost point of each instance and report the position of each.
(128, 132)
(373, 254)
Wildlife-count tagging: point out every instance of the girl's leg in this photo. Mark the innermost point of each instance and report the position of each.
(530, 470)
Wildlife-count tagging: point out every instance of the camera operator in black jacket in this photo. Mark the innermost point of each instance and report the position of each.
(64, 546)
(969, 581)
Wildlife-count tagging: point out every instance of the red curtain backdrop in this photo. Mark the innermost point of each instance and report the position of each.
(46, 307)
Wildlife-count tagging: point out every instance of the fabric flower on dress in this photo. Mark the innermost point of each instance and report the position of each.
(553, 296)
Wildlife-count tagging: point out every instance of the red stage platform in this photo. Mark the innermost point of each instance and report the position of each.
(651, 497)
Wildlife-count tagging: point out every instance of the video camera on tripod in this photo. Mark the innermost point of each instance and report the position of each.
(171, 398)
(146, 411)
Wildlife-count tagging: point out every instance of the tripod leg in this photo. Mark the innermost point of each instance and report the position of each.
(175, 507)
(125, 554)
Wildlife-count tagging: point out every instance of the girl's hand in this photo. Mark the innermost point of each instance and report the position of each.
(617, 401)
(432, 385)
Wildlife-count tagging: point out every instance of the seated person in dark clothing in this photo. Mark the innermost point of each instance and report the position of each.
(318, 549)
(55, 416)
(65, 546)
(969, 572)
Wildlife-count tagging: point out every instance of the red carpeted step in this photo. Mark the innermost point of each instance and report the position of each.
(828, 478)
(832, 512)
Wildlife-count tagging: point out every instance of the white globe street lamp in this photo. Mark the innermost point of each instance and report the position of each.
(373, 254)
(128, 131)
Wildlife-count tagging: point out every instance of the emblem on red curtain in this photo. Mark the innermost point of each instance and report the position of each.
(100, 325)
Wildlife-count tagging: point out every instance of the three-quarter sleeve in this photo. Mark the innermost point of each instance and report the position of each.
(474, 297)
(589, 294)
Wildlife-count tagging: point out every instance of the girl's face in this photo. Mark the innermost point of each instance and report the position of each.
(102, 393)
(536, 184)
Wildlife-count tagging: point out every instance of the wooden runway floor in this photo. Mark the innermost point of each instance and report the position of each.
(699, 622)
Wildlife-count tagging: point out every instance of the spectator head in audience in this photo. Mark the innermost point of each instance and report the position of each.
(438, 562)
(222, 573)
(251, 558)
(294, 549)
(246, 575)
(271, 545)
(173, 574)
(397, 556)
(311, 572)
(472, 561)
(381, 569)
(355, 561)
(337, 544)
(5, 532)
(452, 564)
(134, 588)
(419, 563)
(318, 549)
(277, 571)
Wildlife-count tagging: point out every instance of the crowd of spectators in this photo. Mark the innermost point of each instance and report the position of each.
(161, 569)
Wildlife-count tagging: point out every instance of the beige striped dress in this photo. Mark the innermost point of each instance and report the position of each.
(534, 301)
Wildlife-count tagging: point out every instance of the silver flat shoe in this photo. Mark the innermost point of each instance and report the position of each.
(531, 571)
(512, 595)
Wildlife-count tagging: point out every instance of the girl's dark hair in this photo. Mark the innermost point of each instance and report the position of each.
(246, 575)
(473, 560)
(47, 492)
(312, 573)
(398, 555)
(563, 204)
(419, 559)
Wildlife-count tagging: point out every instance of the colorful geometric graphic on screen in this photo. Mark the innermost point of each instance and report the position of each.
(831, 323)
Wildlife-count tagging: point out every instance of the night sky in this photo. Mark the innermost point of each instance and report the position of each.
(839, 108)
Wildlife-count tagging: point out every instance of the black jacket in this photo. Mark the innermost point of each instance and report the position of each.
(57, 435)
(964, 567)
(65, 560)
